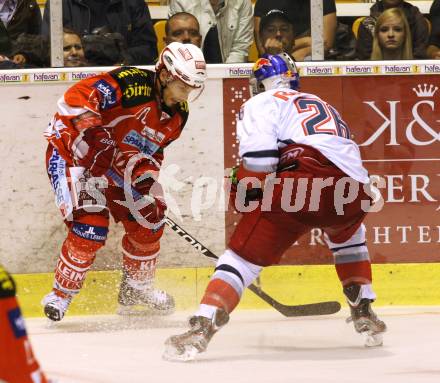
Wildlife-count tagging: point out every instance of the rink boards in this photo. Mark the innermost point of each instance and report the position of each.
(395, 285)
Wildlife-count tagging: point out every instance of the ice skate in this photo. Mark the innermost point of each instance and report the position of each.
(366, 322)
(134, 301)
(185, 347)
(55, 305)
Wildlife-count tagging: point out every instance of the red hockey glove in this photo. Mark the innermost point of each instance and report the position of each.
(144, 175)
(144, 178)
(95, 149)
(155, 211)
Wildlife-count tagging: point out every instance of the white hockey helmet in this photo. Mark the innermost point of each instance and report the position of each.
(185, 62)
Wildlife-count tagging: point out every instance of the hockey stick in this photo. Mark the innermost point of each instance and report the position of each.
(320, 308)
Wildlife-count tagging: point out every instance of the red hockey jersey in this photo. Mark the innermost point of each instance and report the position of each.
(126, 101)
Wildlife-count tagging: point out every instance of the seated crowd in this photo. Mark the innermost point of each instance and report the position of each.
(121, 32)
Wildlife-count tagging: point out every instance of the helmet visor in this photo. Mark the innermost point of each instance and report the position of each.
(180, 92)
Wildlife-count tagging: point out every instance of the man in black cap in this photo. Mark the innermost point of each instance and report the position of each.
(276, 33)
(298, 11)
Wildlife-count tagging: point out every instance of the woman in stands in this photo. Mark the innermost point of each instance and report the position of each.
(392, 36)
(417, 23)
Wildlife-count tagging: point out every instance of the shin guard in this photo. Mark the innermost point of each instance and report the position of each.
(75, 259)
(139, 262)
(231, 277)
(352, 260)
(71, 271)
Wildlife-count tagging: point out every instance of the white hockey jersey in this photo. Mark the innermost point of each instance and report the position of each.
(279, 117)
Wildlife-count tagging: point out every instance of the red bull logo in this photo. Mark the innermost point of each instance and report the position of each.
(260, 63)
(289, 74)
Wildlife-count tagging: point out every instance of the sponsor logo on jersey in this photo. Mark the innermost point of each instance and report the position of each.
(56, 170)
(54, 127)
(58, 126)
(107, 92)
(130, 72)
(136, 90)
(153, 134)
(17, 322)
(136, 86)
(92, 233)
(86, 120)
(143, 144)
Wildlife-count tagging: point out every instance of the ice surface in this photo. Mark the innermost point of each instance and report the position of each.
(255, 347)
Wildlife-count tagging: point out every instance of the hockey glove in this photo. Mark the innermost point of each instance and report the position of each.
(252, 194)
(94, 149)
(144, 179)
(144, 175)
(155, 211)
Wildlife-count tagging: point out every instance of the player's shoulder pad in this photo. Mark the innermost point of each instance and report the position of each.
(256, 102)
(7, 285)
(137, 85)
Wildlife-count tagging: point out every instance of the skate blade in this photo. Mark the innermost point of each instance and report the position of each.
(373, 340)
(134, 310)
(171, 354)
(142, 310)
(50, 324)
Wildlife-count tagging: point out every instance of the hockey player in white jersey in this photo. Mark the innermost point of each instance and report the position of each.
(320, 182)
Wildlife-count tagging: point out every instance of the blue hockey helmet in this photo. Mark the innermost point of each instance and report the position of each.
(274, 71)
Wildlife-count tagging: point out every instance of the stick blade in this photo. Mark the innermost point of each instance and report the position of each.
(320, 308)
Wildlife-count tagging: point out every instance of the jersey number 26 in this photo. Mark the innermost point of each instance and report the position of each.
(320, 115)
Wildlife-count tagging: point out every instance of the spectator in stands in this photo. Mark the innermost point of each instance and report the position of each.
(5, 43)
(417, 24)
(392, 37)
(73, 50)
(103, 47)
(276, 33)
(434, 40)
(20, 16)
(31, 51)
(225, 26)
(129, 18)
(27, 51)
(7, 63)
(183, 28)
(298, 11)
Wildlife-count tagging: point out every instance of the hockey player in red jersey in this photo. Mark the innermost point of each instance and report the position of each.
(17, 361)
(319, 181)
(121, 120)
